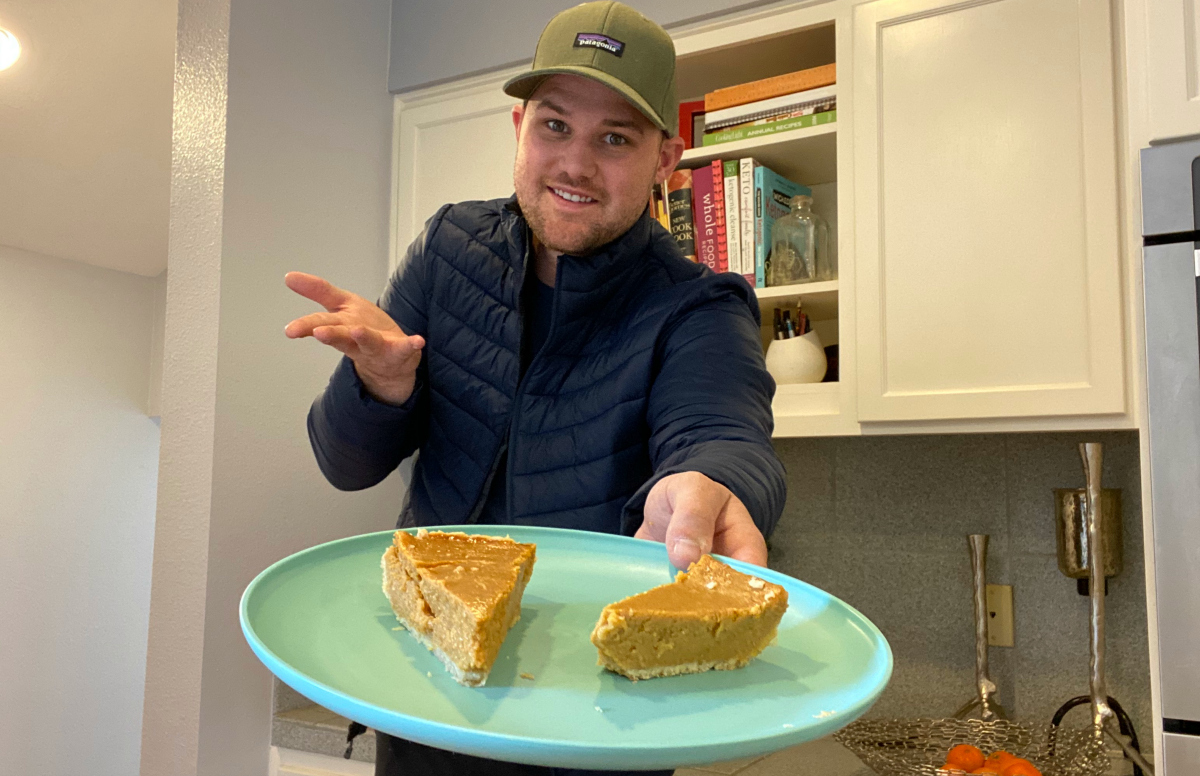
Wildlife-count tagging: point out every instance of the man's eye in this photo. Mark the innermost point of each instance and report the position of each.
(615, 139)
(554, 125)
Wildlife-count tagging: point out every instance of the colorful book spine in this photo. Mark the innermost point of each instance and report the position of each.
(659, 203)
(746, 192)
(733, 221)
(772, 127)
(771, 87)
(718, 178)
(688, 111)
(679, 207)
(704, 215)
(772, 200)
(807, 110)
(740, 114)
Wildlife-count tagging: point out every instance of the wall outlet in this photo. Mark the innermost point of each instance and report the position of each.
(1000, 615)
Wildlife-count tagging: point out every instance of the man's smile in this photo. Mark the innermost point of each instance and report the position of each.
(568, 196)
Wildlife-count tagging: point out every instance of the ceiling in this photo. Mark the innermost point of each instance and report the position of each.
(85, 131)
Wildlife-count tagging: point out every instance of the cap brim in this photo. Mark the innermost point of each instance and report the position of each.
(524, 85)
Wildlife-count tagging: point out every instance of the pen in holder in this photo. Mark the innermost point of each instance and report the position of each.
(797, 359)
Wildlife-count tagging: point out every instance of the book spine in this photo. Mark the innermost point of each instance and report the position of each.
(733, 221)
(758, 130)
(718, 178)
(777, 193)
(767, 88)
(679, 206)
(704, 215)
(746, 186)
(807, 110)
(739, 114)
(760, 252)
(663, 215)
(687, 114)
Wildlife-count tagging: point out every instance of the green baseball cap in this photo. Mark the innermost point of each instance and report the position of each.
(611, 43)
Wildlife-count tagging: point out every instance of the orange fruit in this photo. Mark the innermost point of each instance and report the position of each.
(1002, 757)
(1019, 767)
(990, 770)
(966, 757)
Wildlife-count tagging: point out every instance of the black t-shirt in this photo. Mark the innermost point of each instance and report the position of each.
(539, 306)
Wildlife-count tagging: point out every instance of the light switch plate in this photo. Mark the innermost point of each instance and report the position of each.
(1000, 615)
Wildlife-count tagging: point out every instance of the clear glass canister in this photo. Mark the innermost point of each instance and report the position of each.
(800, 246)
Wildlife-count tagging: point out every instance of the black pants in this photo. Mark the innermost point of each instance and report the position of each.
(398, 757)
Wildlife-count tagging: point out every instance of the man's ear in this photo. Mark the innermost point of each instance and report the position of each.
(518, 111)
(669, 155)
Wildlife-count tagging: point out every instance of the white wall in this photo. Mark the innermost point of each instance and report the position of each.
(282, 161)
(78, 468)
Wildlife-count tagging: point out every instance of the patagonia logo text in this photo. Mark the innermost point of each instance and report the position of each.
(596, 40)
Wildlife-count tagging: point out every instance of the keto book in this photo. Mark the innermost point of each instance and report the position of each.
(746, 169)
(772, 200)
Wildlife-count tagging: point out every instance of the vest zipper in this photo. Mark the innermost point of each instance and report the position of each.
(516, 414)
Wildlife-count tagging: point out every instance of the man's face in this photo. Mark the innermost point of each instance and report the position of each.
(586, 163)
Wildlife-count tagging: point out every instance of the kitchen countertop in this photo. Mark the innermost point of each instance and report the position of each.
(311, 728)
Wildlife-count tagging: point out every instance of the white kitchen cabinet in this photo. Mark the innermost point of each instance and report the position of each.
(1173, 68)
(986, 210)
(970, 181)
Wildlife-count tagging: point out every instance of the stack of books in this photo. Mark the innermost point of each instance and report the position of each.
(804, 98)
(721, 215)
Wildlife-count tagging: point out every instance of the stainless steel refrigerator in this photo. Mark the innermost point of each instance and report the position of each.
(1171, 235)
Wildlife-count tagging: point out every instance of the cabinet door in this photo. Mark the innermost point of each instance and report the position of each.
(986, 210)
(456, 146)
(1173, 65)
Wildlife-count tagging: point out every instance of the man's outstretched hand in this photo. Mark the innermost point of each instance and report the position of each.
(694, 515)
(385, 357)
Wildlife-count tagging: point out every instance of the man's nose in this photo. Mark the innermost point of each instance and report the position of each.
(579, 160)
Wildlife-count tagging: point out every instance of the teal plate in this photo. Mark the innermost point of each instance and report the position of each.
(321, 623)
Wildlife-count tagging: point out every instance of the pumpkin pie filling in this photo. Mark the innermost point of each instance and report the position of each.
(710, 617)
(458, 594)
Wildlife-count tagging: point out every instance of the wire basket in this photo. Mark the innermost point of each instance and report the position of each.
(918, 747)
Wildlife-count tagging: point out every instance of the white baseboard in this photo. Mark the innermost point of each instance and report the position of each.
(289, 762)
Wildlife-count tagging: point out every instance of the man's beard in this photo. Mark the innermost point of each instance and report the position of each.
(576, 239)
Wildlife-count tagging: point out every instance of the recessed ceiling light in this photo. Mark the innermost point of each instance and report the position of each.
(10, 49)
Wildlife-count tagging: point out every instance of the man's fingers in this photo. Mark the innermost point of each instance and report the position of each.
(317, 289)
(738, 537)
(696, 503)
(337, 337)
(385, 345)
(303, 326)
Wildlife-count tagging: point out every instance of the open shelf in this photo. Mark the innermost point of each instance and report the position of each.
(806, 399)
(820, 300)
(752, 58)
(807, 155)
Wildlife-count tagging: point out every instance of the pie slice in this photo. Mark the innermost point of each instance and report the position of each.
(710, 617)
(458, 594)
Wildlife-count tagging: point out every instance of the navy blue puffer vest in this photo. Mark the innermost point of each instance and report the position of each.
(653, 365)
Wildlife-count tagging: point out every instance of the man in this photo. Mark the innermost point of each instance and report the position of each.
(553, 357)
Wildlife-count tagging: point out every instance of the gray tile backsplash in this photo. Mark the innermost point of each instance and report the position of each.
(881, 523)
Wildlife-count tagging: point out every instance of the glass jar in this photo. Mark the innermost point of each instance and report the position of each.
(799, 247)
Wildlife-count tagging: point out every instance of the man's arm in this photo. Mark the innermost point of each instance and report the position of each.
(710, 414)
(373, 414)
